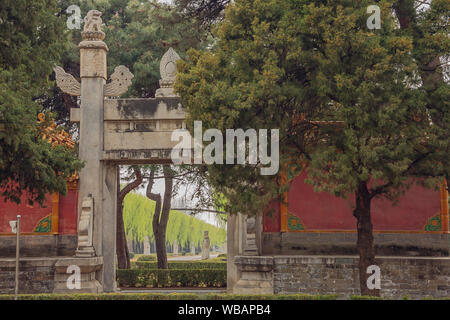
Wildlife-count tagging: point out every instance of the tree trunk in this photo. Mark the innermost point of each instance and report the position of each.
(365, 244)
(123, 255)
(161, 215)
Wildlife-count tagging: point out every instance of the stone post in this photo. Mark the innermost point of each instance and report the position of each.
(250, 248)
(97, 180)
(205, 246)
(175, 247)
(146, 245)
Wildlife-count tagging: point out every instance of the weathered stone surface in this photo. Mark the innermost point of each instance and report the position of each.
(120, 82)
(85, 229)
(400, 276)
(146, 245)
(256, 275)
(175, 247)
(316, 243)
(415, 276)
(89, 281)
(205, 246)
(39, 246)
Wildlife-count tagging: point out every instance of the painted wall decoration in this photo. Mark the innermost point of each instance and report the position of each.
(420, 210)
(58, 216)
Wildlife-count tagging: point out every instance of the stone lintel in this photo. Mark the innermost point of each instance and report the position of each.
(143, 109)
(157, 156)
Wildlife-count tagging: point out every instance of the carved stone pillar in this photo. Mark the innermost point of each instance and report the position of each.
(175, 247)
(85, 247)
(250, 248)
(205, 246)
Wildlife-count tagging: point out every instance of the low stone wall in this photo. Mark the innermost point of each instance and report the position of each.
(49, 275)
(38, 246)
(344, 243)
(36, 275)
(400, 276)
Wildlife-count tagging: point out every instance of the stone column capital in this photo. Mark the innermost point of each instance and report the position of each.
(93, 58)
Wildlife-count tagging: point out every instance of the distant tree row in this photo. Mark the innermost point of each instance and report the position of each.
(138, 215)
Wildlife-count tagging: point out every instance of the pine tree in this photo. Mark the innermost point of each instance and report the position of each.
(32, 41)
(353, 103)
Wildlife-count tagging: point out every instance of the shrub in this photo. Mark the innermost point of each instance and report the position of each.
(156, 278)
(225, 296)
(189, 265)
(147, 257)
(104, 296)
(160, 296)
(355, 297)
(131, 255)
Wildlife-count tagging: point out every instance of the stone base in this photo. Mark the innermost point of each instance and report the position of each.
(36, 275)
(90, 269)
(49, 275)
(256, 275)
(86, 252)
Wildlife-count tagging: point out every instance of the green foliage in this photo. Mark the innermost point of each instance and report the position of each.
(299, 296)
(32, 41)
(170, 296)
(138, 213)
(146, 257)
(277, 61)
(159, 278)
(355, 297)
(104, 296)
(252, 78)
(206, 264)
(375, 92)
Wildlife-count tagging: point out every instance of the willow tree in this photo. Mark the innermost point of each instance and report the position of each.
(283, 64)
(138, 214)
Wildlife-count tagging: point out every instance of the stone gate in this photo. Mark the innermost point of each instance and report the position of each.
(113, 131)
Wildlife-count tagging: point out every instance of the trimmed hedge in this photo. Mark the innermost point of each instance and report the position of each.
(146, 257)
(103, 296)
(356, 297)
(156, 278)
(179, 296)
(170, 296)
(299, 296)
(189, 265)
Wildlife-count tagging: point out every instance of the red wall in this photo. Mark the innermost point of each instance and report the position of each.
(322, 211)
(68, 212)
(31, 215)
